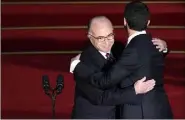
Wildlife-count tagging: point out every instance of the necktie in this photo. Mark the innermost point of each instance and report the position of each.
(107, 55)
(110, 57)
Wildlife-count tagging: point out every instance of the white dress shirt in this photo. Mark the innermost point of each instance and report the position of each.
(73, 65)
(104, 54)
(139, 33)
(134, 35)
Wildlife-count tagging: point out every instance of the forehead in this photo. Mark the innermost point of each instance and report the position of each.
(102, 30)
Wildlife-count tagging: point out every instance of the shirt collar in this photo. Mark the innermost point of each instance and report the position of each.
(134, 35)
(104, 54)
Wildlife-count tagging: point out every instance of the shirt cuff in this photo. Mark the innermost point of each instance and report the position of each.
(165, 50)
(73, 65)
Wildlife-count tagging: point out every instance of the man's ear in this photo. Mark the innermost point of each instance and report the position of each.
(88, 36)
(125, 22)
(148, 23)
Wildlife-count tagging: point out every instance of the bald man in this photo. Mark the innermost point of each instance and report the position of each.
(100, 55)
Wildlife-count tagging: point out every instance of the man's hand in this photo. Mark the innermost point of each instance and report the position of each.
(160, 44)
(74, 62)
(142, 86)
(76, 58)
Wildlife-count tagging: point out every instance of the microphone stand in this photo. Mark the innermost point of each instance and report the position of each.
(53, 98)
(53, 92)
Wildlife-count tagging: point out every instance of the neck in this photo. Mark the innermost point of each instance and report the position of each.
(131, 32)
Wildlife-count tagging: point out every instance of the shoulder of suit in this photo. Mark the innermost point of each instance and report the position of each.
(87, 53)
(143, 39)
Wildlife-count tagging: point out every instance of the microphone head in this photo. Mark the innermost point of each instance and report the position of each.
(60, 84)
(45, 83)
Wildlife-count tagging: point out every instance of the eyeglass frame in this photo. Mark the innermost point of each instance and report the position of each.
(104, 38)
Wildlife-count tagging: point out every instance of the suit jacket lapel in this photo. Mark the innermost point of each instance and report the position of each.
(96, 58)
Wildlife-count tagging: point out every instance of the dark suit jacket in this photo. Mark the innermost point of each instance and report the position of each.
(140, 58)
(86, 106)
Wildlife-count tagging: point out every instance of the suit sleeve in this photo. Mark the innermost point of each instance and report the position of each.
(113, 96)
(166, 53)
(128, 81)
(124, 67)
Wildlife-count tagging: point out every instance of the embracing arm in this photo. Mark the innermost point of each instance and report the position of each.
(119, 71)
(167, 51)
(113, 96)
(116, 96)
(161, 45)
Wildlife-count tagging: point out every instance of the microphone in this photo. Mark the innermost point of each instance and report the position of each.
(46, 84)
(60, 84)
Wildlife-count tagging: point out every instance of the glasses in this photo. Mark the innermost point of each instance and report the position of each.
(109, 37)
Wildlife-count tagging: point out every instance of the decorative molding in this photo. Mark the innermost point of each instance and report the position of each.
(88, 2)
(82, 27)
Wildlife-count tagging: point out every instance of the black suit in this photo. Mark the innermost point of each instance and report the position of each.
(85, 107)
(140, 58)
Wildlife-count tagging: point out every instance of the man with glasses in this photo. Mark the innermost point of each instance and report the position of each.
(100, 56)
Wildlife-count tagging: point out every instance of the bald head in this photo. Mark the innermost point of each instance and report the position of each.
(100, 33)
(99, 22)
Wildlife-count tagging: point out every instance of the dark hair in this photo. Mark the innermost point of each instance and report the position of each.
(137, 15)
